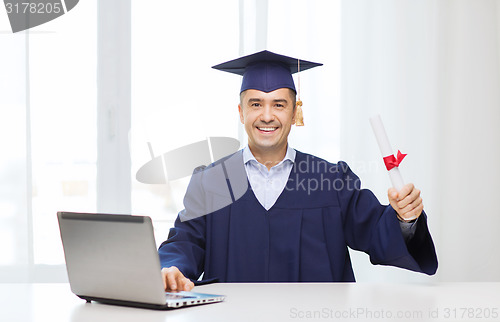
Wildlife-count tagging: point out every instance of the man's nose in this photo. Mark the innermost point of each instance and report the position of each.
(267, 115)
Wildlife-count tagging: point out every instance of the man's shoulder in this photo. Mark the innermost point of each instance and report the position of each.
(230, 167)
(302, 156)
(233, 158)
(319, 164)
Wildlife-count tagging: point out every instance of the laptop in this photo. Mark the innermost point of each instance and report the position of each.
(113, 259)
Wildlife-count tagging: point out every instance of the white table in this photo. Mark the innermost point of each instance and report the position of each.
(271, 302)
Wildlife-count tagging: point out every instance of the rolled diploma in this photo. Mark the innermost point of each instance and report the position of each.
(385, 148)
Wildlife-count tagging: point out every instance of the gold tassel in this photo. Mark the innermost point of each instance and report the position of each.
(299, 117)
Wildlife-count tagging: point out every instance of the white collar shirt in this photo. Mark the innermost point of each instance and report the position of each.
(267, 185)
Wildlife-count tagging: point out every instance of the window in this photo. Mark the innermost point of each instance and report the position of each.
(62, 77)
(177, 98)
(48, 130)
(55, 94)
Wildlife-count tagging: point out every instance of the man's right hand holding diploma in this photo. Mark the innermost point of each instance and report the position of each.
(407, 202)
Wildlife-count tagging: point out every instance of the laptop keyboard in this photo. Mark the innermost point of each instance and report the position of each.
(172, 296)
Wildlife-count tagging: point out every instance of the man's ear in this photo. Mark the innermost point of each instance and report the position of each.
(240, 110)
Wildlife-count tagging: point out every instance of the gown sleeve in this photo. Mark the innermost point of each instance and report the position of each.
(208, 191)
(185, 246)
(374, 229)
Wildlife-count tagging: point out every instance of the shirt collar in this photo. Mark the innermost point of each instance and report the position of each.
(248, 156)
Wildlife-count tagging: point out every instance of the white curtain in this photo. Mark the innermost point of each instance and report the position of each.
(14, 160)
(48, 139)
(431, 69)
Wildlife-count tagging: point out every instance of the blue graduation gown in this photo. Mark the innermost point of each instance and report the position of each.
(304, 237)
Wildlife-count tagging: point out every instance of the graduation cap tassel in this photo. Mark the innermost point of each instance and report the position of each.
(299, 117)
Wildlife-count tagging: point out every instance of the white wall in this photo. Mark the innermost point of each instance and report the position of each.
(431, 69)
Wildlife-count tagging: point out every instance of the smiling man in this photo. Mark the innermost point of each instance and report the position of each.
(270, 213)
(268, 118)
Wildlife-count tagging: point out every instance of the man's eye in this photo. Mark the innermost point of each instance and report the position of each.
(255, 105)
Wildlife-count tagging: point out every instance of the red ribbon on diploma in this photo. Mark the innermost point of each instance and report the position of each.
(391, 161)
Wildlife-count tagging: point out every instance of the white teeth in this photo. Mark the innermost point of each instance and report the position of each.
(267, 129)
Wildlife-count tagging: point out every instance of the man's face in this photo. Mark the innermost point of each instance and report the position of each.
(267, 117)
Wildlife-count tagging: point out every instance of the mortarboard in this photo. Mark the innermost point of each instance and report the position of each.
(266, 71)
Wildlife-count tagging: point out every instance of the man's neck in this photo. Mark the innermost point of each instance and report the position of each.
(269, 157)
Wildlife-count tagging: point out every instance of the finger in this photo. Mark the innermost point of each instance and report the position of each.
(171, 282)
(414, 195)
(171, 277)
(188, 285)
(164, 277)
(411, 206)
(410, 198)
(181, 281)
(405, 191)
(393, 199)
(413, 213)
(392, 194)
